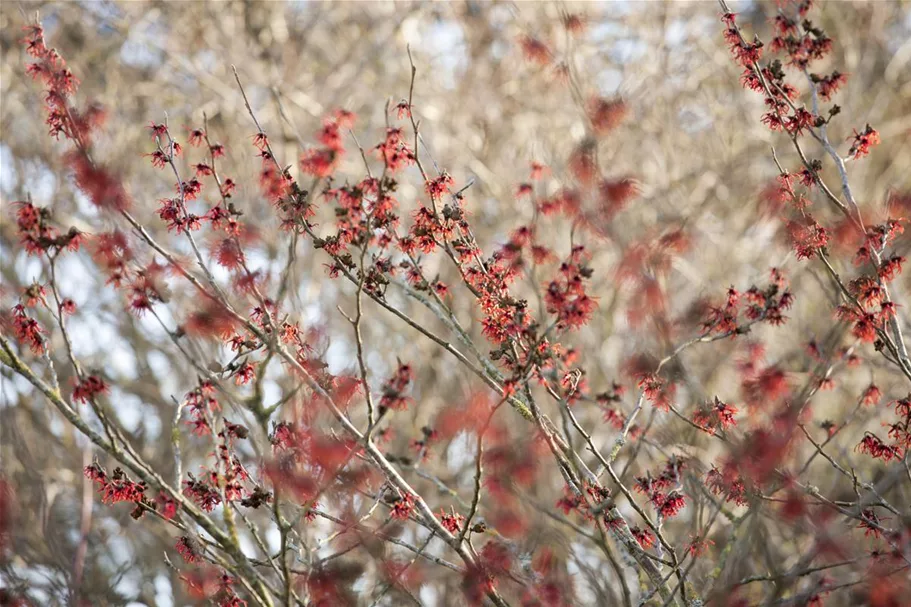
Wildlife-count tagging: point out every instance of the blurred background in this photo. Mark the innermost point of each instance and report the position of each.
(488, 108)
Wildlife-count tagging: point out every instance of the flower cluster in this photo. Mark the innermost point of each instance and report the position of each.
(118, 487)
(606, 114)
(802, 44)
(873, 446)
(565, 296)
(205, 495)
(728, 483)
(871, 310)
(899, 432)
(188, 549)
(658, 391)
(763, 386)
(863, 141)
(667, 503)
(27, 330)
(322, 161)
(393, 150)
(403, 507)
(808, 237)
(394, 389)
(38, 235)
(452, 521)
(89, 388)
(645, 537)
(99, 184)
(201, 403)
(714, 415)
(60, 84)
(522, 241)
(645, 265)
(174, 211)
(765, 304)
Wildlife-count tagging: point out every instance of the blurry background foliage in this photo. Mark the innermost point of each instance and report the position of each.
(693, 139)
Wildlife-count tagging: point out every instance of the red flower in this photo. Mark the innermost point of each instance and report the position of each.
(188, 549)
(403, 508)
(538, 171)
(698, 547)
(808, 237)
(606, 114)
(615, 194)
(570, 501)
(394, 152)
(770, 384)
(715, 414)
(89, 388)
(871, 395)
(96, 473)
(166, 506)
(672, 504)
(871, 523)
(211, 321)
(891, 267)
(227, 187)
(773, 121)
(452, 522)
(535, 50)
(244, 374)
(728, 483)
(159, 159)
(865, 328)
(205, 496)
(657, 391)
(190, 189)
(34, 294)
(566, 297)
(196, 137)
(98, 184)
(394, 388)
(863, 141)
(438, 186)
(260, 141)
(403, 109)
(158, 130)
(800, 121)
(27, 330)
(524, 189)
(807, 177)
(747, 54)
(441, 289)
(829, 85)
(645, 537)
(229, 254)
(877, 449)
(582, 162)
(344, 118)
(320, 162)
(116, 488)
(574, 24)
(202, 169)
